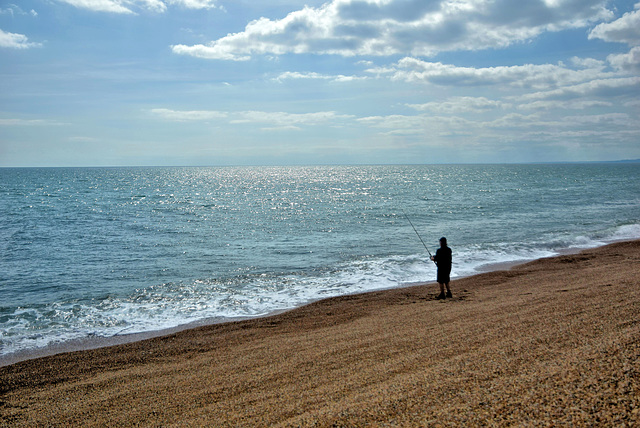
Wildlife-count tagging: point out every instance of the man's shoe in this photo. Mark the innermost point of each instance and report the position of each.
(441, 296)
(449, 294)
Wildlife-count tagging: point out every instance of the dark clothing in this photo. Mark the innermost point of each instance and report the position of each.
(443, 261)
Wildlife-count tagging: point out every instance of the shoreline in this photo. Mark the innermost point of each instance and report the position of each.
(89, 343)
(555, 341)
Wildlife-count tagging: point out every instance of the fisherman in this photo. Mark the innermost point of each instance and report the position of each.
(442, 259)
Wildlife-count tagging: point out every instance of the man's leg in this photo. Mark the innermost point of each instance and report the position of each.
(442, 295)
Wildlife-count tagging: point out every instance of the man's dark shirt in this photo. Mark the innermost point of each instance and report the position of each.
(443, 259)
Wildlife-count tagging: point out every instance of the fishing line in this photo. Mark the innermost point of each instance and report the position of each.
(416, 231)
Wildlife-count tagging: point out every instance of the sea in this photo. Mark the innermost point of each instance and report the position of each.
(94, 253)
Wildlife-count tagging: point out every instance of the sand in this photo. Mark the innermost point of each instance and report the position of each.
(554, 342)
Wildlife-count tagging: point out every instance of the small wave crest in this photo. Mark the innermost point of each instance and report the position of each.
(625, 232)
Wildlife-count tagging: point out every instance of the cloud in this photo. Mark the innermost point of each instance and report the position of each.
(583, 83)
(286, 119)
(407, 125)
(624, 30)
(566, 105)
(606, 88)
(194, 4)
(281, 128)
(615, 119)
(530, 75)
(629, 62)
(391, 27)
(516, 120)
(461, 104)
(509, 127)
(295, 75)
(29, 122)
(112, 6)
(16, 41)
(187, 116)
(14, 9)
(129, 6)
(277, 120)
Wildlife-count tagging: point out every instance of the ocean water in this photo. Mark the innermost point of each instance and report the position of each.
(103, 252)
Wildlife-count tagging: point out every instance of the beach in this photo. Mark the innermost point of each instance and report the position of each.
(555, 341)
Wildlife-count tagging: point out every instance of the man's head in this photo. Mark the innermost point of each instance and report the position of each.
(443, 242)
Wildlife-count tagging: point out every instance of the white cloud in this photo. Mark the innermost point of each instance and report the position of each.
(191, 115)
(130, 6)
(625, 29)
(279, 120)
(281, 128)
(566, 105)
(194, 4)
(624, 86)
(391, 27)
(29, 122)
(587, 63)
(16, 41)
(295, 75)
(287, 119)
(400, 124)
(529, 75)
(461, 104)
(629, 62)
(516, 120)
(112, 6)
(510, 127)
(617, 119)
(202, 51)
(14, 9)
(153, 5)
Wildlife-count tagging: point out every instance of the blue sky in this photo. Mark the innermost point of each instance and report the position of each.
(215, 82)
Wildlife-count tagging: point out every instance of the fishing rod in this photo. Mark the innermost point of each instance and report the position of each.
(416, 231)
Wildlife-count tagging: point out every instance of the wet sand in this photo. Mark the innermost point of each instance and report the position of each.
(551, 342)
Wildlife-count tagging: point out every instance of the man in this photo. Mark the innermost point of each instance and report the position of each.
(443, 261)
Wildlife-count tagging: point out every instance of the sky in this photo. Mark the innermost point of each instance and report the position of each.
(287, 82)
